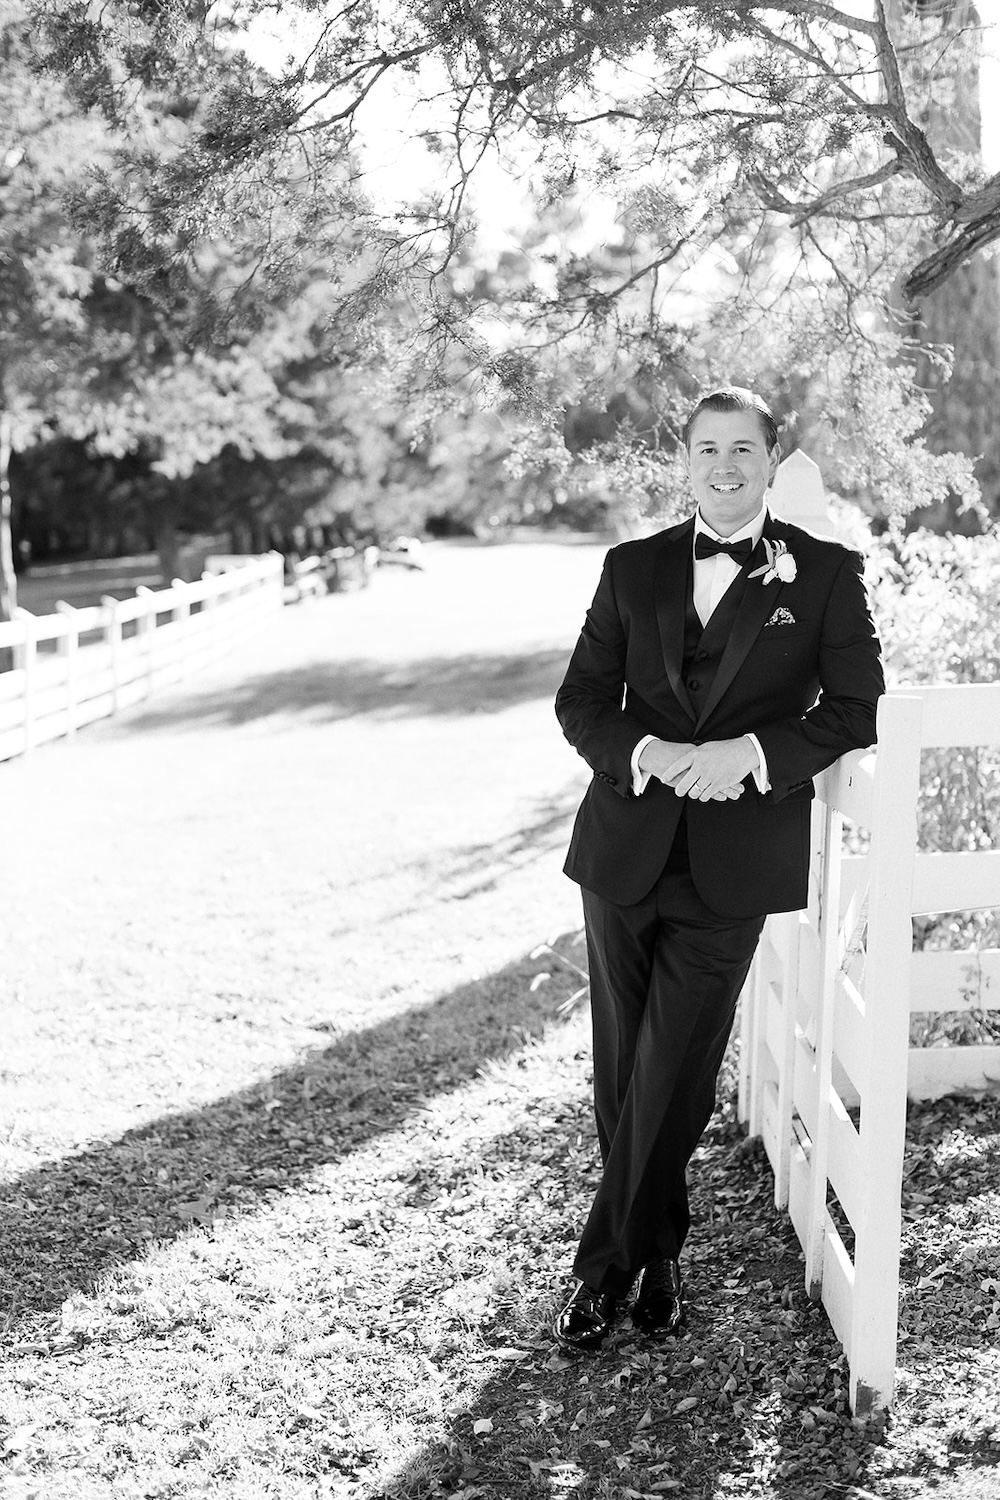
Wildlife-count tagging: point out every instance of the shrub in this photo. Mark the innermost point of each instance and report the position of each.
(935, 602)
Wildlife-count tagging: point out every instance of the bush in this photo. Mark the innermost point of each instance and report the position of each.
(935, 602)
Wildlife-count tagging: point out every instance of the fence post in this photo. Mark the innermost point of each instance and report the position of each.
(113, 632)
(888, 967)
(797, 494)
(29, 664)
(145, 625)
(69, 649)
(829, 931)
(182, 619)
(789, 927)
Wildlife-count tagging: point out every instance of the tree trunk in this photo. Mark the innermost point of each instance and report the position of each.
(8, 578)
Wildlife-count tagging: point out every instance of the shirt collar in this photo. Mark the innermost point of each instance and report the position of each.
(754, 529)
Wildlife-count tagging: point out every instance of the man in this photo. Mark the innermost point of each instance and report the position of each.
(723, 663)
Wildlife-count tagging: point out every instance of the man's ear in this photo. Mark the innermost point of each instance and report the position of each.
(773, 460)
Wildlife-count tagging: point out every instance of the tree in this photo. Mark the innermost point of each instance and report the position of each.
(44, 270)
(794, 110)
(87, 357)
(799, 141)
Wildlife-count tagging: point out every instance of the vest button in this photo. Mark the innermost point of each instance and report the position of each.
(701, 656)
(694, 683)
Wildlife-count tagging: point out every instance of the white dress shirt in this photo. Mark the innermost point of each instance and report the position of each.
(712, 577)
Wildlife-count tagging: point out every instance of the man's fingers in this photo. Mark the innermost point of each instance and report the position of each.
(677, 768)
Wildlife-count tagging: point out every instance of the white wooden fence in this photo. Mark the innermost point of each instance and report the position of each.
(826, 1064)
(78, 665)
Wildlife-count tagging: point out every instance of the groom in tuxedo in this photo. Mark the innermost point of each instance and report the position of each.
(723, 663)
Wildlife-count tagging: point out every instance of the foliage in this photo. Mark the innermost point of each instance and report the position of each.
(935, 601)
(796, 111)
(778, 167)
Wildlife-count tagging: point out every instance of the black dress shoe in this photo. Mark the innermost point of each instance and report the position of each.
(659, 1307)
(585, 1321)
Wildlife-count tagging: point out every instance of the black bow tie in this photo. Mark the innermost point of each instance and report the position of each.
(705, 546)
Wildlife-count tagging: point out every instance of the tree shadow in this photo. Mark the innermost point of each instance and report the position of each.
(68, 1222)
(328, 691)
(735, 1395)
(470, 870)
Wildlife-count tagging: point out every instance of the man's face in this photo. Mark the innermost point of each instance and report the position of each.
(730, 467)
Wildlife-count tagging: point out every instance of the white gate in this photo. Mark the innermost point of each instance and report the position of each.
(826, 1064)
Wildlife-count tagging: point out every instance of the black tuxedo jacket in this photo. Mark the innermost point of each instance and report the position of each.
(801, 670)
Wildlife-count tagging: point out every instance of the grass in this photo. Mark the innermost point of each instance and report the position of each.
(296, 1114)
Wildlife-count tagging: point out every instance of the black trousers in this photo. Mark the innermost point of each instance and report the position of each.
(665, 975)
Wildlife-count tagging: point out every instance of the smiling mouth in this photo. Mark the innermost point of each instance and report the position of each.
(726, 489)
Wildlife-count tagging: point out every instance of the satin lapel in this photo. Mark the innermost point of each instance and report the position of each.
(671, 590)
(757, 605)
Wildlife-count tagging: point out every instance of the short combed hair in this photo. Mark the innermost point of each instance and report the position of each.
(734, 398)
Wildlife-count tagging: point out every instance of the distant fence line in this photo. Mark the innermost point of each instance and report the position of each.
(78, 665)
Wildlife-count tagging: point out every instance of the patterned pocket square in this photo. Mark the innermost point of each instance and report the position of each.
(781, 616)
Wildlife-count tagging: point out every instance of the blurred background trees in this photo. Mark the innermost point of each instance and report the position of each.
(369, 269)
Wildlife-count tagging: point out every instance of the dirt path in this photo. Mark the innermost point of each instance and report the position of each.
(354, 812)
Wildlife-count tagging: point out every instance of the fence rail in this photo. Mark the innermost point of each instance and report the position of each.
(826, 1065)
(78, 665)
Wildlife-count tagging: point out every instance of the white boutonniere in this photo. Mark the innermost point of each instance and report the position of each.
(780, 564)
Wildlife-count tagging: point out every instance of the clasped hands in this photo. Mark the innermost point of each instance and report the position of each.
(712, 772)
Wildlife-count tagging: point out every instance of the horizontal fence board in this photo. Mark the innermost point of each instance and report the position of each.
(838, 1285)
(91, 617)
(43, 627)
(12, 686)
(100, 706)
(12, 742)
(13, 633)
(966, 979)
(936, 1071)
(957, 714)
(956, 882)
(51, 728)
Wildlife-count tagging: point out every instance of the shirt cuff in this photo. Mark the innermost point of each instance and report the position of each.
(640, 779)
(760, 776)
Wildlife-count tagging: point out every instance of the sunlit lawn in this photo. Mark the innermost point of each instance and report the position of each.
(296, 1119)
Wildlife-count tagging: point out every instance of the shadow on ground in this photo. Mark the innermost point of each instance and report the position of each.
(331, 690)
(470, 870)
(728, 1408)
(66, 1223)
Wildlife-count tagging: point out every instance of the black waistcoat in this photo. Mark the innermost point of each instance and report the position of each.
(703, 648)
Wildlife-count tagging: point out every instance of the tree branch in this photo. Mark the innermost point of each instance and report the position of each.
(799, 213)
(936, 268)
